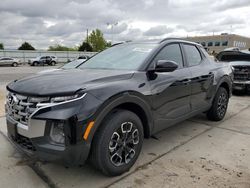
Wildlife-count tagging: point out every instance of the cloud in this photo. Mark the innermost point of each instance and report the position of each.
(47, 22)
(158, 31)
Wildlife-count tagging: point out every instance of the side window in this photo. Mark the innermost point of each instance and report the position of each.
(170, 52)
(6, 58)
(192, 54)
(43, 57)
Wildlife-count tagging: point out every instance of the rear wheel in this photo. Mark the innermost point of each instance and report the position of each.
(118, 142)
(35, 63)
(219, 107)
(53, 63)
(14, 64)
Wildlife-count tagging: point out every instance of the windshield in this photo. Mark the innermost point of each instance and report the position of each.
(73, 64)
(121, 57)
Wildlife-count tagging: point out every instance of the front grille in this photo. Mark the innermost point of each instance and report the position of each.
(20, 107)
(242, 73)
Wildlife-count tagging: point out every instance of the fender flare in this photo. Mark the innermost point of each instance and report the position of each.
(225, 79)
(114, 102)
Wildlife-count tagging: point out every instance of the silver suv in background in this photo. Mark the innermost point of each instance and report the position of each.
(43, 60)
(10, 61)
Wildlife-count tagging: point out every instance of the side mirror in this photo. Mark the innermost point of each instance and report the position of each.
(165, 66)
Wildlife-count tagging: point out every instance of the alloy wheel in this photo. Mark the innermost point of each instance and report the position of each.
(123, 144)
(222, 104)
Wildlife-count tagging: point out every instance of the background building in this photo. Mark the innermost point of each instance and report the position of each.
(217, 43)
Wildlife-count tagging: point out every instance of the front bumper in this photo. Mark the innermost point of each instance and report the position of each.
(44, 149)
(241, 85)
(34, 139)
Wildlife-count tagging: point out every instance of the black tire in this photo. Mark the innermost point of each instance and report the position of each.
(219, 107)
(14, 64)
(107, 145)
(35, 63)
(53, 63)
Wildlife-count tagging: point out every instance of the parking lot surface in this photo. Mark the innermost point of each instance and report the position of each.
(194, 153)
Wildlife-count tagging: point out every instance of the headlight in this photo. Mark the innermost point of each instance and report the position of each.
(63, 98)
(38, 99)
(57, 132)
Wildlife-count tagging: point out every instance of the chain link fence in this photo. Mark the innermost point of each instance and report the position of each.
(25, 55)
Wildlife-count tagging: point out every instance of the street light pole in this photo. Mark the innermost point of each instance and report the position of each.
(87, 36)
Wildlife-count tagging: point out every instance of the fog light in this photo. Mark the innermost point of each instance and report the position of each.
(57, 133)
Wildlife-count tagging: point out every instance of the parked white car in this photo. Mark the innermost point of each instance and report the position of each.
(10, 61)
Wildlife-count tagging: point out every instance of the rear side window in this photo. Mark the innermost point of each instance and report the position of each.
(6, 58)
(193, 56)
(170, 52)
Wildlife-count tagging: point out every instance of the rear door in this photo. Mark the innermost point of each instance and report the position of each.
(202, 78)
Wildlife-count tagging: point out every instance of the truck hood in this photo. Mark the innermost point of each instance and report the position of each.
(66, 82)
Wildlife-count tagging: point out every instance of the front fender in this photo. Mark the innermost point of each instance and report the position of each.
(115, 101)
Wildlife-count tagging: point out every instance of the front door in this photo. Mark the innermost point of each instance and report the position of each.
(170, 90)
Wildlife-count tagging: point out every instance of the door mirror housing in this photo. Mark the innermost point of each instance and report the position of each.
(165, 66)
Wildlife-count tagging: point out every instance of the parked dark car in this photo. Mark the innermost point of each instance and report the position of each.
(10, 61)
(240, 61)
(104, 109)
(43, 60)
(85, 57)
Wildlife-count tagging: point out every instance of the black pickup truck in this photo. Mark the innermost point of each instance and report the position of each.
(105, 108)
(240, 61)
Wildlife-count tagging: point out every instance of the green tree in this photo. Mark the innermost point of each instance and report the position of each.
(97, 40)
(85, 47)
(59, 47)
(1, 46)
(108, 44)
(26, 46)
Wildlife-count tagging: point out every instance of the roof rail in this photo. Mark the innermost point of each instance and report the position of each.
(170, 38)
(118, 43)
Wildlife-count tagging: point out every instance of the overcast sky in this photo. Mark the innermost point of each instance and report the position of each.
(48, 22)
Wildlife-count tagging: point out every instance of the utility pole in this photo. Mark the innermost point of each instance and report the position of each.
(87, 36)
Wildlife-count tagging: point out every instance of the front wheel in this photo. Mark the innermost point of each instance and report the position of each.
(118, 142)
(219, 107)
